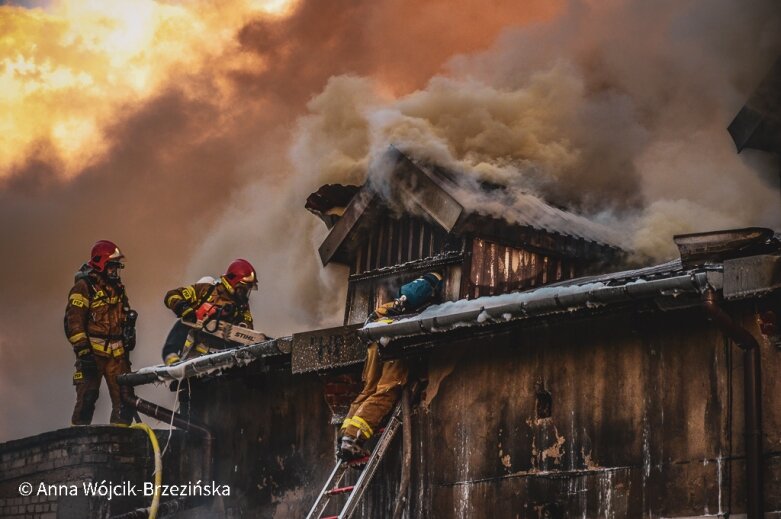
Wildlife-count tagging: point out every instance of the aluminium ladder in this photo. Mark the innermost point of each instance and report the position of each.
(356, 491)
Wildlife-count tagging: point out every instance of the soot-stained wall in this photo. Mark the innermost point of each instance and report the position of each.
(624, 415)
(646, 419)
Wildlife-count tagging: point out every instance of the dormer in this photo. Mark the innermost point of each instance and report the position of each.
(485, 239)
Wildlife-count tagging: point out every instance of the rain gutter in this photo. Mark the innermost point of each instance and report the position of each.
(547, 301)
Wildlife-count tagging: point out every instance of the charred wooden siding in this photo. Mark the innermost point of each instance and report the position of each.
(395, 251)
(498, 269)
(393, 241)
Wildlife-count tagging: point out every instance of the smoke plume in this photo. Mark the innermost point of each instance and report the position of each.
(614, 109)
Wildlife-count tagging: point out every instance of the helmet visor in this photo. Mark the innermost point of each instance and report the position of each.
(250, 281)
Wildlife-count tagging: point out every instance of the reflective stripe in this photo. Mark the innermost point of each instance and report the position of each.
(78, 300)
(77, 337)
(105, 301)
(200, 348)
(170, 301)
(108, 349)
(227, 285)
(361, 424)
(189, 293)
(171, 358)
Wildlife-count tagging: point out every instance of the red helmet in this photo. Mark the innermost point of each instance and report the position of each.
(103, 252)
(241, 271)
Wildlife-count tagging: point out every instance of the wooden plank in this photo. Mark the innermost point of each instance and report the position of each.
(476, 274)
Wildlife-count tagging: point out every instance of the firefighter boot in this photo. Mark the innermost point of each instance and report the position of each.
(351, 449)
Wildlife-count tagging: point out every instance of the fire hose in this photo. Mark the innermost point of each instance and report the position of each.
(158, 467)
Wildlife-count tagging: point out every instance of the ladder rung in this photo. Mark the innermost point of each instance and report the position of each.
(331, 517)
(340, 490)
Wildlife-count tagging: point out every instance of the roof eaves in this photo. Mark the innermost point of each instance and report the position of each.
(208, 364)
(354, 217)
(543, 302)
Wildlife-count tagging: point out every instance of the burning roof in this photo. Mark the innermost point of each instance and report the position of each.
(457, 208)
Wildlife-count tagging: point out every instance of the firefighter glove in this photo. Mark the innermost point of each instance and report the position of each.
(82, 350)
(228, 310)
(185, 311)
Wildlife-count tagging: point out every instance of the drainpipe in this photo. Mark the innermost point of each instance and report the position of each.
(752, 404)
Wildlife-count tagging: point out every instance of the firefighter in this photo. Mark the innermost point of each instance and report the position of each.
(226, 299)
(100, 326)
(174, 343)
(383, 381)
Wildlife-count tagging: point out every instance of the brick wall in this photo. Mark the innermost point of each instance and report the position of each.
(74, 456)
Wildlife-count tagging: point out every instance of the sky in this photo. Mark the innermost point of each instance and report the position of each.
(190, 133)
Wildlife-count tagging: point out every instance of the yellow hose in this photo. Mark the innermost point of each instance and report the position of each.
(158, 467)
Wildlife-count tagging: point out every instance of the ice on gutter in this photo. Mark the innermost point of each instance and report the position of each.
(203, 365)
(543, 301)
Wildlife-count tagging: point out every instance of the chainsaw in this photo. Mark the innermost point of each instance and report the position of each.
(208, 322)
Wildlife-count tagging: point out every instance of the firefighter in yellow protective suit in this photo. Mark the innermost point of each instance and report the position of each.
(100, 326)
(383, 381)
(226, 299)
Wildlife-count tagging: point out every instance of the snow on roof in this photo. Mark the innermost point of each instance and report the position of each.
(211, 363)
(585, 293)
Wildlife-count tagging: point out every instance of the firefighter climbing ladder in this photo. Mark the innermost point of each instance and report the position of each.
(356, 491)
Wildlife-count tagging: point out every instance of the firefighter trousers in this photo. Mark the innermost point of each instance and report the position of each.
(88, 387)
(382, 385)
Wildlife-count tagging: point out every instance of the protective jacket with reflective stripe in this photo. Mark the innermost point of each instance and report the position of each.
(218, 294)
(96, 310)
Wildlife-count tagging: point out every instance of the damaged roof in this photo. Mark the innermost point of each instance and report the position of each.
(329, 202)
(458, 208)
